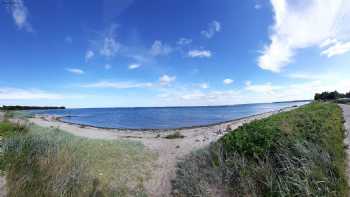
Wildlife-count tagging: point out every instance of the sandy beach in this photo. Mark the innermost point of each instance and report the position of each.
(169, 150)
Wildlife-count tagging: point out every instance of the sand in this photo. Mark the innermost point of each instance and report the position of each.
(169, 150)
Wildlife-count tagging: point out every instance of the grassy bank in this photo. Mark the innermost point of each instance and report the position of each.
(50, 162)
(296, 153)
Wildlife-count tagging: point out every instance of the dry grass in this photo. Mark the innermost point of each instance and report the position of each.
(50, 162)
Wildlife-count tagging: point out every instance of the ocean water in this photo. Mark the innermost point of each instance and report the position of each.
(162, 117)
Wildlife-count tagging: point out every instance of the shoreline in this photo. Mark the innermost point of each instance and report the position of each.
(169, 151)
(157, 130)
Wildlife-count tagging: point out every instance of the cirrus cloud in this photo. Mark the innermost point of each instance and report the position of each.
(76, 71)
(213, 28)
(199, 54)
(158, 48)
(20, 15)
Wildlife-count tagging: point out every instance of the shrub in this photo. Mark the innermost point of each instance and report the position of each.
(174, 135)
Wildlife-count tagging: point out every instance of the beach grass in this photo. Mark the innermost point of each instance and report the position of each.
(50, 162)
(296, 153)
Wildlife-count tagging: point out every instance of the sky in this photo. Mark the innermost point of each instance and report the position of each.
(131, 53)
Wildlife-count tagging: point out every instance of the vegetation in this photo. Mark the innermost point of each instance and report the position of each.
(296, 153)
(325, 96)
(174, 135)
(49, 162)
(19, 107)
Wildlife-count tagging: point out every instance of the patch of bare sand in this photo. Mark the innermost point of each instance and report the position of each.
(169, 150)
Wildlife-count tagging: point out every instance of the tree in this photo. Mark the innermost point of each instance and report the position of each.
(329, 96)
(347, 95)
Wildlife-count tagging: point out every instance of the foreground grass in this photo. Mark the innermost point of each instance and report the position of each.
(49, 162)
(296, 153)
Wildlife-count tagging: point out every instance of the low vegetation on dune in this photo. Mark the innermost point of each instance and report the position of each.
(50, 162)
(296, 153)
(175, 135)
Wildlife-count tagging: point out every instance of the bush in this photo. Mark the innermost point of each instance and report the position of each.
(174, 135)
(296, 153)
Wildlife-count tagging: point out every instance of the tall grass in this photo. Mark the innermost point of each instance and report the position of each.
(50, 162)
(296, 153)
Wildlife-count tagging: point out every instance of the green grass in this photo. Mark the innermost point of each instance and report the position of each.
(51, 162)
(296, 153)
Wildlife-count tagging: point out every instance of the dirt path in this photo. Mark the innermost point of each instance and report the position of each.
(346, 113)
(168, 150)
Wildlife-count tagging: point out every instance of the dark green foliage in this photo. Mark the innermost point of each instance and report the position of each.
(347, 95)
(174, 135)
(19, 107)
(325, 96)
(296, 153)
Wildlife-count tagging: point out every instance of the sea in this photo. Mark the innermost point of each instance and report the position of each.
(163, 117)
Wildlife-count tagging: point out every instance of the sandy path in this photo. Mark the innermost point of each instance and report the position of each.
(346, 113)
(168, 150)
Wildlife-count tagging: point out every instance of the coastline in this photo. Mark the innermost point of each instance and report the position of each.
(156, 130)
(169, 151)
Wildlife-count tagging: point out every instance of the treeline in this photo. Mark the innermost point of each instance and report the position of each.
(19, 107)
(331, 95)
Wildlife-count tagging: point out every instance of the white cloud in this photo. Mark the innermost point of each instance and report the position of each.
(266, 88)
(337, 49)
(110, 47)
(303, 24)
(227, 81)
(134, 66)
(184, 41)
(88, 55)
(158, 48)
(313, 76)
(107, 66)
(199, 53)
(204, 85)
(117, 85)
(213, 27)
(251, 93)
(20, 15)
(75, 71)
(23, 94)
(166, 79)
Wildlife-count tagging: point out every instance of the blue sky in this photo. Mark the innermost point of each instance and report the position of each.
(167, 53)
